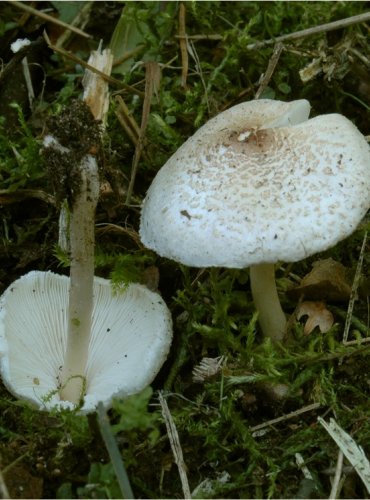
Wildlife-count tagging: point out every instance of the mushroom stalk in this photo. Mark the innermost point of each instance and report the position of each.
(82, 241)
(271, 316)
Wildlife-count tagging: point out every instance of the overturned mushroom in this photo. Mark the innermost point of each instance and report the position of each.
(258, 184)
(129, 341)
(71, 342)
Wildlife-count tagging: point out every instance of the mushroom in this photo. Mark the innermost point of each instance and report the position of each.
(258, 184)
(130, 339)
(71, 342)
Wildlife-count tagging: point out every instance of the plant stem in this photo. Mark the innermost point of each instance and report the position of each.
(82, 240)
(322, 28)
(271, 316)
(114, 452)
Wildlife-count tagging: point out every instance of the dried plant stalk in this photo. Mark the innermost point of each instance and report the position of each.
(175, 445)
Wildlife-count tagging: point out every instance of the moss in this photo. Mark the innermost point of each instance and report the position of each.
(212, 309)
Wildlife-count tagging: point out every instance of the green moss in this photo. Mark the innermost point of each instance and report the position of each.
(212, 310)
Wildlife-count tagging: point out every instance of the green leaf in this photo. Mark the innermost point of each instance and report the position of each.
(127, 37)
(68, 10)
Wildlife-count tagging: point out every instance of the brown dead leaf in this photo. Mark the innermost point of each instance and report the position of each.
(327, 281)
(151, 278)
(318, 316)
(21, 483)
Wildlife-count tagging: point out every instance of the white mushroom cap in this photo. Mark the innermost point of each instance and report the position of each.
(130, 340)
(249, 188)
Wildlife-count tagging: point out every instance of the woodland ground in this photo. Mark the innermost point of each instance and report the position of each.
(61, 455)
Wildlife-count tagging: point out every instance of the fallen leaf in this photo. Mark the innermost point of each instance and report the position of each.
(21, 483)
(327, 281)
(151, 278)
(318, 316)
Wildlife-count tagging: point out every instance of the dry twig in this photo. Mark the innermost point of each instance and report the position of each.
(175, 445)
(270, 70)
(335, 488)
(303, 467)
(46, 17)
(127, 121)
(351, 450)
(356, 282)
(287, 416)
(7, 196)
(152, 81)
(104, 228)
(322, 28)
(81, 20)
(109, 79)
(183, 45)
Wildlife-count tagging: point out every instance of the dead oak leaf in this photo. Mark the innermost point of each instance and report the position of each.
(328, 281)
(318, 316)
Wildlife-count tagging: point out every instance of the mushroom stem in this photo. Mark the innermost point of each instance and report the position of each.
(271, 316)
(82, 240)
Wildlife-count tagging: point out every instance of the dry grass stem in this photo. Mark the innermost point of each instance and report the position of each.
(198, 69)
(28, 80)
(197, 38)
(183, 45)
(128, 55)
(4, 493)
(46, 17)
(288, 416)
(356, 282)
(322, 28)
(127, 121)
(7, 196)
(104, 228)
(353, 453)
(335, 488)
(78, 60)
(270, 69)
(302, 466)
(152, 82)
(357, 342)
(175, 445)
(80, 21)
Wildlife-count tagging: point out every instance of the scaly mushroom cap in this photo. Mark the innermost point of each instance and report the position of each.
(130, 340)
(259, 183)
